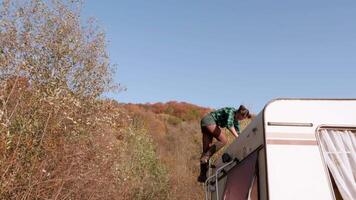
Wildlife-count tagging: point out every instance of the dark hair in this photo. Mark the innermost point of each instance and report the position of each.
(244, 111)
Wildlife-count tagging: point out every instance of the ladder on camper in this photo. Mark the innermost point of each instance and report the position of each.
(214, 180)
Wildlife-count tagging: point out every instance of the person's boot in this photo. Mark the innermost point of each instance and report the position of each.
(203, 170)
(207, 155)
(204, 159)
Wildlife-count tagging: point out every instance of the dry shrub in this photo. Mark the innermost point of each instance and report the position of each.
(142, 175)
(181, 156)
(58, 148)
(144, 118)
(58, 141)
(174, 120)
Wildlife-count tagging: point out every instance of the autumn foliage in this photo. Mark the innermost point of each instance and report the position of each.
(175, 129)
(59, 139)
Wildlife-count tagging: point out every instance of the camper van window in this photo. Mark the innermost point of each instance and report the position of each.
(339, 152)
(242, 180)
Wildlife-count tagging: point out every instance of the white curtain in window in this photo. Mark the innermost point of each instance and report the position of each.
(339, 151)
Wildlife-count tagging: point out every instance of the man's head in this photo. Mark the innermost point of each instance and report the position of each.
(242, 113)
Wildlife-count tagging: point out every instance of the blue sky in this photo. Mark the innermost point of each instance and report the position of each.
(224, 53)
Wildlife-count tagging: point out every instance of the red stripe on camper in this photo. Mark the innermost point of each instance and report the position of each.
(292, 142)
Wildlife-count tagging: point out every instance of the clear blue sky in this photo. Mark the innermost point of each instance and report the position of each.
(223, 53)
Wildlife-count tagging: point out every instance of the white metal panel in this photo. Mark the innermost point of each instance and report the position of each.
(317, 112)
(296, 172)
(248, 140)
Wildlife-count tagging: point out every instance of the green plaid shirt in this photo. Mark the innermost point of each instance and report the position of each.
(225, 118)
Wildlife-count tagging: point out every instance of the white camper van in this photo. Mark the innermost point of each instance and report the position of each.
(295, 149)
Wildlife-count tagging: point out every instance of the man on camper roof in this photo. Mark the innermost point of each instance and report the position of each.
(211, 125)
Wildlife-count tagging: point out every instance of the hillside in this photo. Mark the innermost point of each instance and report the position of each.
(66, 147)
(175, 129)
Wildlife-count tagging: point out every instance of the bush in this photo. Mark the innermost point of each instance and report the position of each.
(174, 120)
(140, 169)
(57, 139)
